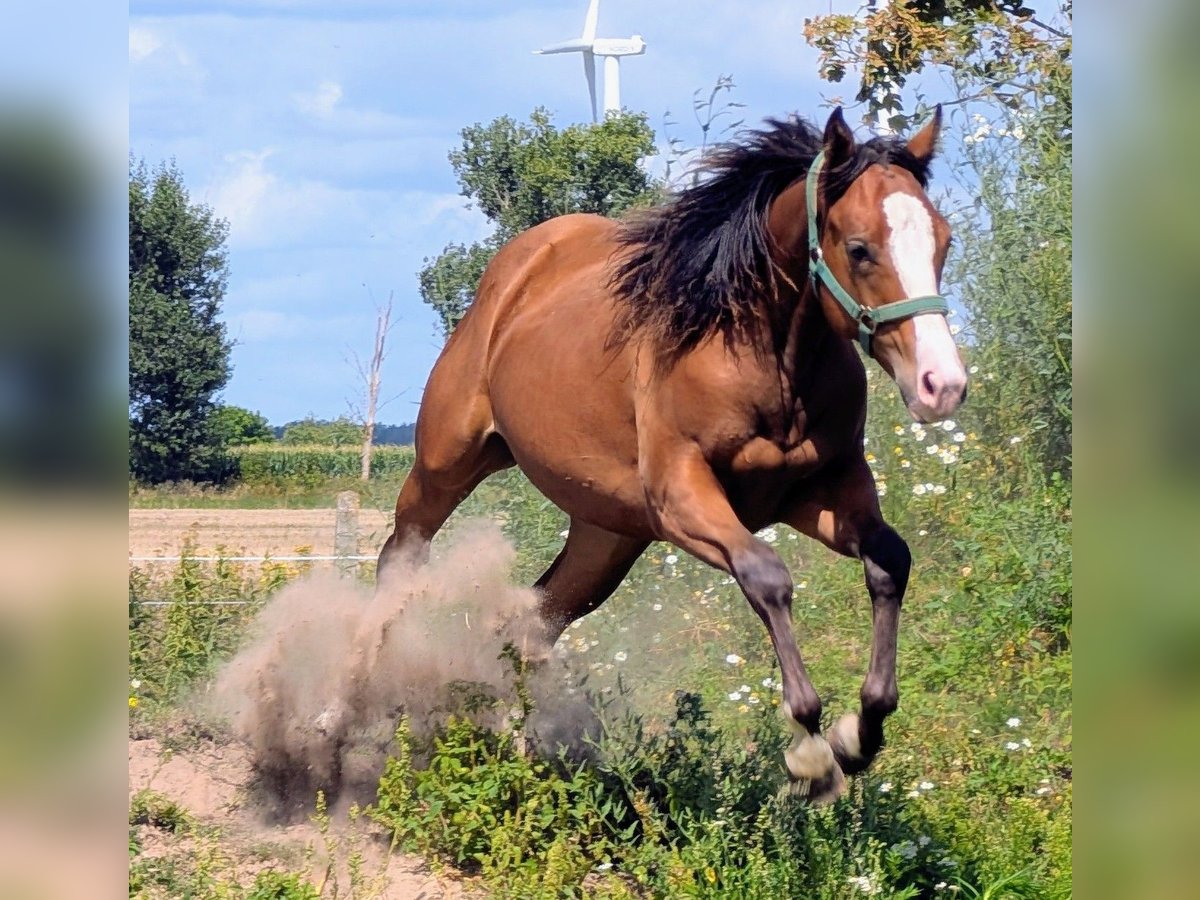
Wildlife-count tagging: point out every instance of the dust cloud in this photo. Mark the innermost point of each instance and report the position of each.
(317, 691)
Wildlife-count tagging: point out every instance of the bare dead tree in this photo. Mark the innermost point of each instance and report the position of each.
(370, 375)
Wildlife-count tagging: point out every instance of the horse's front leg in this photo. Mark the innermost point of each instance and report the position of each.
(844, 515)
(691, 510)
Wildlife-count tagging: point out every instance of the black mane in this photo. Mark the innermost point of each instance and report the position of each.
(701, 263)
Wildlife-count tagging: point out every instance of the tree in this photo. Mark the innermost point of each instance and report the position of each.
(519, 174)
(993, 49)
(178, 350)
(237, 426)
(370, 373)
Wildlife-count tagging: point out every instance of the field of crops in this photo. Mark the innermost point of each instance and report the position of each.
(679, 793)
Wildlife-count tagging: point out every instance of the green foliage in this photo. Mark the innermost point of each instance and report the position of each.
(691, 810)
(520, 174)
(340, 432)
(273, 885)
(448, 283)
(182, 623)
(151, 808)
(236, 426)
(1015, 271)
(998, 51)
(314, 465)
(178, 350)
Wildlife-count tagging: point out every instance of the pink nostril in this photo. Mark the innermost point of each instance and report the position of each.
(929, 385)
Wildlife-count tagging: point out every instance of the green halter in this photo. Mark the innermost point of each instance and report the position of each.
(869, 319)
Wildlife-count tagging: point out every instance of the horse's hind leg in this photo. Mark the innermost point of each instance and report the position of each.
(587, 570)
(449, 464)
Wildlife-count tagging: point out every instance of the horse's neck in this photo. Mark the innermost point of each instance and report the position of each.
(807, 342)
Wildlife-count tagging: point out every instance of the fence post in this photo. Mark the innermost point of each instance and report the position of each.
(345, 536)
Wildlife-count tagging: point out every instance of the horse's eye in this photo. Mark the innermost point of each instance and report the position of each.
(858, 252)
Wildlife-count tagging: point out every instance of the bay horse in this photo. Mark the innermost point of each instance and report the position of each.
(689, 375)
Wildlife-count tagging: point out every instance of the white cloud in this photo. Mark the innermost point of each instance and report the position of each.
(321, 101)
(241, 193)
(142, 43)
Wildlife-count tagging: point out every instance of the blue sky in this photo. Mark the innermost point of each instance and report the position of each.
(320, 130)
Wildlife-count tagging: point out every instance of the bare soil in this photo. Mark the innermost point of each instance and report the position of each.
(212, 782)
(248, 532)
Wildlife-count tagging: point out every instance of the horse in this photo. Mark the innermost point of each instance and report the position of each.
(688, 374)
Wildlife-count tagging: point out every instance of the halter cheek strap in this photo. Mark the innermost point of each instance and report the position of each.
(868, 318)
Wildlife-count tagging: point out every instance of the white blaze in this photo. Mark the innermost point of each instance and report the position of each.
(911, 245)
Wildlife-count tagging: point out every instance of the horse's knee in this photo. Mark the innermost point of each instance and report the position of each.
(764, 579)
(886, 557)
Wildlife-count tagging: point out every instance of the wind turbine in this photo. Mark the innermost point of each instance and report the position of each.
(612, 49)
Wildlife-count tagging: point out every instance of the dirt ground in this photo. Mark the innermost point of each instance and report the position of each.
(248, 532)
(210, 782)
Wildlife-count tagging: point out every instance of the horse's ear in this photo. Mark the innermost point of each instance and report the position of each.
(838, 140)
(923, 144)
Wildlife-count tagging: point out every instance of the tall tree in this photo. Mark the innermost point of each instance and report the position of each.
(178, 350)
(519, 174)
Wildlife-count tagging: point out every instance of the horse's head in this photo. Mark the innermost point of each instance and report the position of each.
(878, 264)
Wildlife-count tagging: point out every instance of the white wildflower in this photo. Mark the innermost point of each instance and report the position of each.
(671, 559)
(1012, 745)
(886, 787)
(657, 607)
(735, 696)
(1014, 722)
(959, 437)
(769, 534)
(926, 785)
(620, 656)
(918, 489)
(939, 489)
(734, 660)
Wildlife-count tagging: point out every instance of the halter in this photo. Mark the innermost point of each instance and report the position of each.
(868, 318)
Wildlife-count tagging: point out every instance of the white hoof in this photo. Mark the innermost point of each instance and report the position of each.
(809, 757)
(844, 736)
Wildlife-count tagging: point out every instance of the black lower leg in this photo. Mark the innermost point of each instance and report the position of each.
(886, 564)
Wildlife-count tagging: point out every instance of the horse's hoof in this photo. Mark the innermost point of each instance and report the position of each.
(813, 770)
(809, 756)
(819, 791)
(845, 737)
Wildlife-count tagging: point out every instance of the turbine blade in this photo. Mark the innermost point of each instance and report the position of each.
(589, 69)
(572, 46)
(589, 22)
